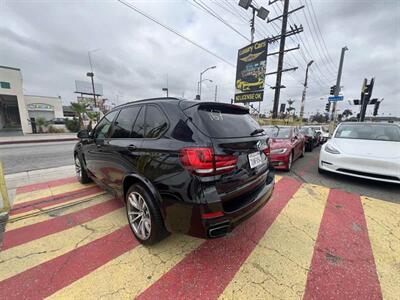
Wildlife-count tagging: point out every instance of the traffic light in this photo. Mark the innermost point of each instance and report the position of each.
(328, 107)
(332, 91)
(376, 108)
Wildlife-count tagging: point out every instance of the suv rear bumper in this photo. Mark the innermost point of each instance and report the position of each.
(189, 218)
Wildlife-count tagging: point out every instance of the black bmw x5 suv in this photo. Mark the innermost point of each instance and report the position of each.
(193, 167)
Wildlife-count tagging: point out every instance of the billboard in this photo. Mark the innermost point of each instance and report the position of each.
(85, 87)
(250, 72)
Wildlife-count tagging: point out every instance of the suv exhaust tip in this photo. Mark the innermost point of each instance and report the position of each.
(218, 231)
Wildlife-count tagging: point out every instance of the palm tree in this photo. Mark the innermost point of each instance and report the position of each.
(80, 109)
(41, 122)
(93, 117)
(347, 113)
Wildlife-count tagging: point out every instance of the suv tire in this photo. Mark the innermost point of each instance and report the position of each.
(81, 173)
(144, 216)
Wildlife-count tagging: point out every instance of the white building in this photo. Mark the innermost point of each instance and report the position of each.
(17, 109)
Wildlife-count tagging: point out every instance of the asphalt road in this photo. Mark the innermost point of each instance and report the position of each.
(26, 157)
(306, 169)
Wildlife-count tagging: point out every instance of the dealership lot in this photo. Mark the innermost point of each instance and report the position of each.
(67, 240)
(306, 170)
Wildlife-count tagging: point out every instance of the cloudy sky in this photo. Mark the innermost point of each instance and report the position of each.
(135, 57)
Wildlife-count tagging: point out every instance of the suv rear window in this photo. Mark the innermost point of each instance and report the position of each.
(224, 121)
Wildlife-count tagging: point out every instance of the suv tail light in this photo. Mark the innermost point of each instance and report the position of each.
(267, 151)
(203, 162)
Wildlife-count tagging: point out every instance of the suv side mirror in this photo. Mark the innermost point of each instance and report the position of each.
(84, 134)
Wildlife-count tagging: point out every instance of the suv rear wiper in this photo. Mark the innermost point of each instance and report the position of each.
(258, 130)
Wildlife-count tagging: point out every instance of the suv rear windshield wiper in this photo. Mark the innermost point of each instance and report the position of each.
(258, 130)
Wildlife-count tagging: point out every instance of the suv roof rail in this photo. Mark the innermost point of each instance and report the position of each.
(146, 100)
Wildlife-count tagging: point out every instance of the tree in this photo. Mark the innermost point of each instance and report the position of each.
(93, 117)
(41, 123)
(80, 108)
(319, 118)
(347, 113)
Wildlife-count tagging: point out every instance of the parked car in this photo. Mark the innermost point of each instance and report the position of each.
(324, 132)
(57, 121)
(198, 168)
(365, 150)
(312, 138)
(286, 145)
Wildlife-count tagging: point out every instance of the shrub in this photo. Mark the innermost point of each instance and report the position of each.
(41, 124)
(72, 125)
(52, 129)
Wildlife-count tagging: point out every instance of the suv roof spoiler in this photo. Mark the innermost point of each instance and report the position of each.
(189, 104)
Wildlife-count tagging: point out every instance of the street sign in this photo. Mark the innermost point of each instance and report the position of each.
(335, 98)
(250, 72)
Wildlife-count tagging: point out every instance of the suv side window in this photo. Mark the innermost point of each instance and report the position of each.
(156, 122)
(101, 131)
(122, 126)
(138, 129)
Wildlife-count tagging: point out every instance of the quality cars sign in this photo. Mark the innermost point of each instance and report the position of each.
(250, 72)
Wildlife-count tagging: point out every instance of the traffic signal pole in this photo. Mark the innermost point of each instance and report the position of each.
(339, 77)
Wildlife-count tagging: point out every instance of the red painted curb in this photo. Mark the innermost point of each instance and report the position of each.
(38, 141)
(343, 265)
(205, 272)
(35, 231)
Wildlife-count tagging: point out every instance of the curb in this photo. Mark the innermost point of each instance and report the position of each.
(38, 141)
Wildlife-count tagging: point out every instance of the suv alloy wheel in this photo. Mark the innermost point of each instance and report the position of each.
(80, 171)
(144, 216)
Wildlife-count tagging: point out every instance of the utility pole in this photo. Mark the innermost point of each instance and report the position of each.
(303, 98)
(280, 59)
(339, 76)
(216, 91)
(282, 51)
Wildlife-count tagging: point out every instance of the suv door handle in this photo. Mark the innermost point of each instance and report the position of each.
(131, 147)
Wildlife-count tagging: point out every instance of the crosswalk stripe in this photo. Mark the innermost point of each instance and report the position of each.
(64, 269)
(54, 199)
(23, 257)
(383, 222)
(205, 272)
(336, 272)
(278, 266)
(56, 211)
(32, 232)
(48, 192)
(132, 272)
(45, 185)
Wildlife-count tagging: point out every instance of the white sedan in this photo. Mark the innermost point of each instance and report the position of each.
(366, 150)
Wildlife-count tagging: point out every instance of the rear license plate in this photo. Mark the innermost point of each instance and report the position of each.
(254, 159)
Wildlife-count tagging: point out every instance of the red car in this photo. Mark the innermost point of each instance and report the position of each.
(286, 145)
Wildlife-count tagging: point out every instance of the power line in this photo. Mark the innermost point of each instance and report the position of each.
(210, 11)
(131, 6)
(322, 74)
(323, 40)
(318, 46)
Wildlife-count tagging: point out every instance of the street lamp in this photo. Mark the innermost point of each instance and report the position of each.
(303, 98)
(201, 76)
(91, 75)
(262, 13)
(165, 90)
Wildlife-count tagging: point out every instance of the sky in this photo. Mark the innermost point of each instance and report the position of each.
(134, 58)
